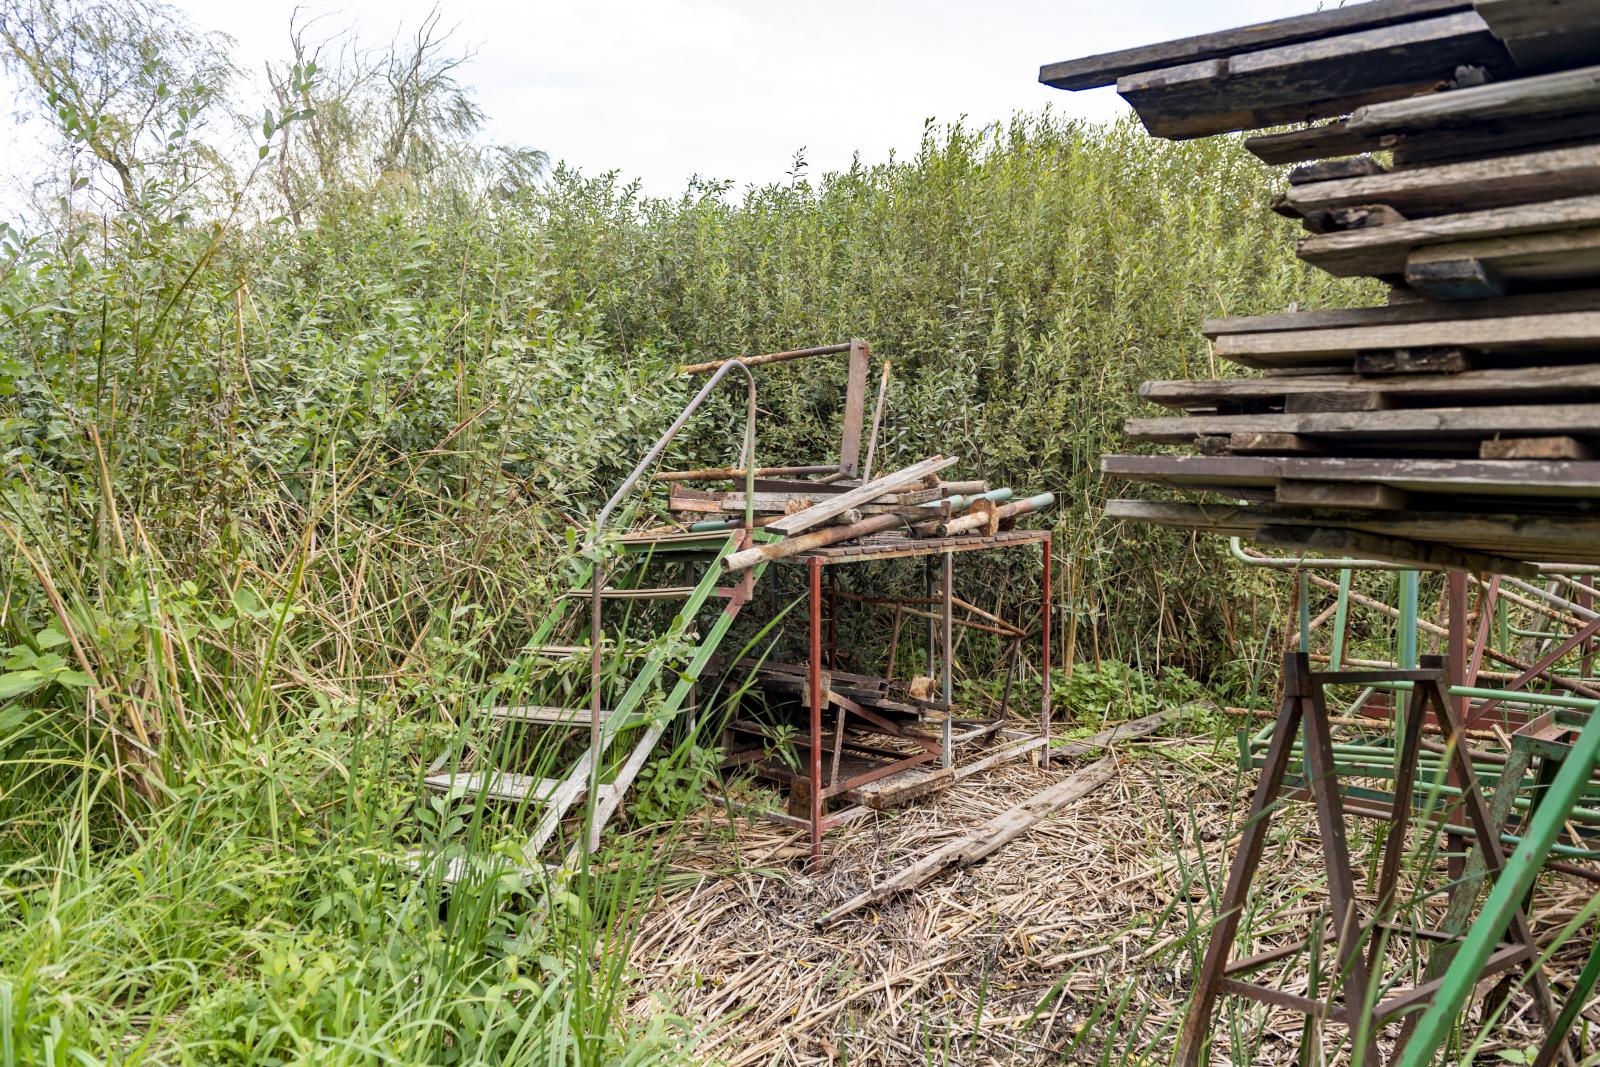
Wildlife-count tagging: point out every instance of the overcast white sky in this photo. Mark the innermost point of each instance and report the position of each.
(663, 89)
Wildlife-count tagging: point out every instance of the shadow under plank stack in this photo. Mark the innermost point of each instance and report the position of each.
(1452, 150)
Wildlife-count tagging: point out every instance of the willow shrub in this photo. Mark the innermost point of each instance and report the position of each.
(1023, 279)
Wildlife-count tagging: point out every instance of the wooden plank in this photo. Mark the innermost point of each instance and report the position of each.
(1328, 170)
(1244, 444)
(1091, 72)
(983, 841)
(866, 494)
(1544, 33)
(1411, 308)
(1339, 219)
(1365, 495)
(1332, 541)
(1569, 382)
(1558, 447)
(1548, 480)
(1383, 249)
(1521, 333)
(1409, 425)
(1452, 276)
(1551, 538)
(1432, 360)
(855, 401)
(1311, 79)
(1450, 188)
(1544, 109)
(1566, 256)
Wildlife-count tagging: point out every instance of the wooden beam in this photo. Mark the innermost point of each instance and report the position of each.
(1401, 424)
(1092, 71)
(855, 406)
(1413, 309)
(1314, 79)
(1364, 495)
(1353, 392)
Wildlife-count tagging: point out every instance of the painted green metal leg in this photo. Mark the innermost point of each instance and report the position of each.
(1504, 903)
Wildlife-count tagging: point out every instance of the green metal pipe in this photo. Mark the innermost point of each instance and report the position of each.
(1505, 900)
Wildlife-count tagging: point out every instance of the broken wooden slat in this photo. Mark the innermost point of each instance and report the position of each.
(1512, 478)
(1565, 255)
(1545, 109)
(1434, 359)
(1553, 174)
(1450, 275)
(1383, 249)
(1314, 79)
(1522, 384)
(1328, 170)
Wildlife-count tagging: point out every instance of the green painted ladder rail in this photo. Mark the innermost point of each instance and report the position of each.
(553, 797)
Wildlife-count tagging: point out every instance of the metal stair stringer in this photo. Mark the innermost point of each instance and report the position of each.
(609, 795)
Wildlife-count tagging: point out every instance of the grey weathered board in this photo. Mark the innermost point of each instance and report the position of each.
(1384, 249)
(1311, 79)
(1451, 188)
(1554, 538)
(1560, 332)
(1544, 109)
(1571, 483)
(1573, 382)
(1402, 427)
(1413, 310)
(1104, 69)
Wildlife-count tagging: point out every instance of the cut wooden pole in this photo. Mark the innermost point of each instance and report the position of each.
(985, 840)
(835, 505)
(793, 546)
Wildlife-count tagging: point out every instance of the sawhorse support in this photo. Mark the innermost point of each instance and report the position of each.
(1305, 709)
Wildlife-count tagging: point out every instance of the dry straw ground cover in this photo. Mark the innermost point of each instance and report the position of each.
(1071, 945)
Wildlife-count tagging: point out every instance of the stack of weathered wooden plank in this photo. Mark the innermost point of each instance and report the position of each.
(912, 504)
(1451, 148)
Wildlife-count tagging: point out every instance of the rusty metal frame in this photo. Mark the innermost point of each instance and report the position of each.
(1304, 708)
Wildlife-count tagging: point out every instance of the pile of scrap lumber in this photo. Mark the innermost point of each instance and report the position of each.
(1451, 149)
(908, 505)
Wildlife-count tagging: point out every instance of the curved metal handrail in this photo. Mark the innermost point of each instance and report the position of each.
(627, 486)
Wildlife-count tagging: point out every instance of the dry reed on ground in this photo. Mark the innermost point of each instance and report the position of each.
(1072, 944)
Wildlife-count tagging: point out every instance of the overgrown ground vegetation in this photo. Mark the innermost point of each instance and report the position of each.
(305, 398)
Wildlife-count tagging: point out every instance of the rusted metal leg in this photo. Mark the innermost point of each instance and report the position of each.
(1400, 815)
(1488, 835)
(1456, 844)
(1044, 663)
(944, 627)
(814, 693)
(1324, 783)
(1197, 1023)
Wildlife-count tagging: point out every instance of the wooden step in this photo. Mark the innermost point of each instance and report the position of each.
(664, 592)
(547, 714)
(496, 785)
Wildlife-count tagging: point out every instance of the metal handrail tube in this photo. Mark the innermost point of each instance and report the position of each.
(747, 460)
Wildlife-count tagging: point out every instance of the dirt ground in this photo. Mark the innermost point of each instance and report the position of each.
(1072, 944)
